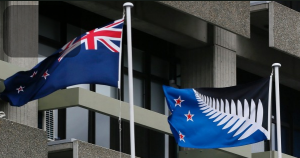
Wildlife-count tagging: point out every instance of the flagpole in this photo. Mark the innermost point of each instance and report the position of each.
(128, 6)
(276, 67)
(270, 111)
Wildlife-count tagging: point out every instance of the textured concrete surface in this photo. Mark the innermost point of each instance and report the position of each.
(270, 154)
(165, 22)
(284, 29)
(87, 150)
(20, 141)
(231, 15)
(19, 46)
(212, 66)
(215, 153)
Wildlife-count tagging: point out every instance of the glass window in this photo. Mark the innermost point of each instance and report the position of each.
(284, 139)
(73, 31)
(102, 130)
(77, 127)
(274, 137)
(138, 94)
(49, 28)
(296, 114)
(77, 123)
(157, 98)
(159, 67)
(137, 58)
(45, 51)
(103, 121)
(296, 143)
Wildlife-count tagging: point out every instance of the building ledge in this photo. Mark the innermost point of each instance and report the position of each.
(105, 105)
(76, 148)
(270, 154)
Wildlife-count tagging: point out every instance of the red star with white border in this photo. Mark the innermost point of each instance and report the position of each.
(189, 116)
(178, 101)
(20, 89)
(46, 74)
(181, 136)
(34, 73)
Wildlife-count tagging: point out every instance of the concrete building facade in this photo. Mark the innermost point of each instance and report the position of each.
(183, 44)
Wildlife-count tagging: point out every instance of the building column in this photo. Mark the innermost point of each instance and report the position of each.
(19, 43)
(211, 66)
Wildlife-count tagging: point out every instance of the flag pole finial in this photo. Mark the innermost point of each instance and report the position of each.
(128, 4)
(276, 65)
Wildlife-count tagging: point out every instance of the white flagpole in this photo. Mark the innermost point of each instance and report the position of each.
(276, 67)
(270, 108)
(128, 6)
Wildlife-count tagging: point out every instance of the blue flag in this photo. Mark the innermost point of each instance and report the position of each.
(219, 117)
(90, 58)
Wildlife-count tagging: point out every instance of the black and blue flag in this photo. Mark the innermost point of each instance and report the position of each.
(219, 117)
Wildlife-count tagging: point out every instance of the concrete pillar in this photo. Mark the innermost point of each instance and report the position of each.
(211, 66)
(19, 46)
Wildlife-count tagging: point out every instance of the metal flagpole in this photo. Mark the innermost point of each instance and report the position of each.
(276, 67)
(128, 6)
(270, 112)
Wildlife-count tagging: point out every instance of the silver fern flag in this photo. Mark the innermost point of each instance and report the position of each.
(219, 117)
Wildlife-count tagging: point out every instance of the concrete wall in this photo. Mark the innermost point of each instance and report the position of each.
(87, 150)
(254, 55)
(172, 25)
(284, 29)
(213, 153)
(20, 141)
(230, 15)
(270, 154)
(19, 46)
(213, 65)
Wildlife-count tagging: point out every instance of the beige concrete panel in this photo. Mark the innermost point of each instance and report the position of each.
(207, 153)
(284, 29)
(233, 16)
(244, 151)
(270, 154)
(86, 150)
(224, 67)
(105, 105)
(156, 19)
(20, 141)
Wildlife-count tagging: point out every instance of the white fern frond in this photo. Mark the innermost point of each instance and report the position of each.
(233, 108)
(233, 116)
(252, 111)
(246, 109)
(217, 105)
(227, 110)
(222, 106)
(239, 109)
